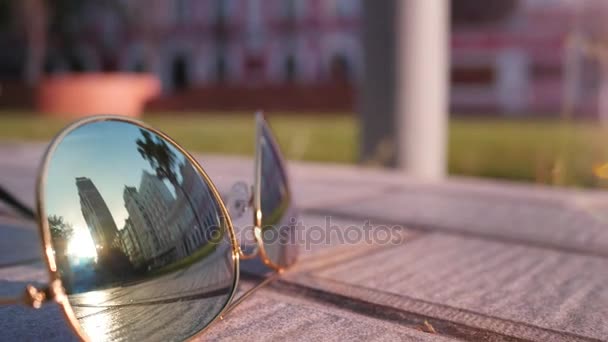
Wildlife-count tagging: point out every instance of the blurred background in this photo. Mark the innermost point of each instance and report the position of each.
(526, 81)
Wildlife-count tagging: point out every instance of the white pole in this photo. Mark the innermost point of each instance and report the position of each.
(572, 76)
(603, 94)
(422, 28)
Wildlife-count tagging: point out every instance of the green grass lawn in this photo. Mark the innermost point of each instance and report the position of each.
(542, 151)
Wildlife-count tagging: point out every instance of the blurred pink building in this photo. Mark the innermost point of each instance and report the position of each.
(517, 65)
(202, 42)
(514, 65)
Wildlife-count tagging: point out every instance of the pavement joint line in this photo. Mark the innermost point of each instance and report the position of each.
(406, 317)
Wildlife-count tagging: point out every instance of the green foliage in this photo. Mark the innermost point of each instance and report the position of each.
(161, 158)
(6, 19)
(60, 230)
(540, 151)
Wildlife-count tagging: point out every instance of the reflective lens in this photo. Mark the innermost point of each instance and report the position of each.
(274, 200)
(141, 243)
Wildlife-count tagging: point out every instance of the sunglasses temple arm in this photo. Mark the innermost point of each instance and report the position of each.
(10, 301)
(249, 292)
(31, 297)
(7, 198)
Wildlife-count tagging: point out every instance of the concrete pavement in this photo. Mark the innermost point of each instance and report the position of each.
(475, 259)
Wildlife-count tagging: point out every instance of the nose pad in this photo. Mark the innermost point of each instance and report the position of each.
(238, 203)
(239, 200)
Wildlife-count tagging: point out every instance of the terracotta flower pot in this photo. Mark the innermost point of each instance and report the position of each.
(78, 95)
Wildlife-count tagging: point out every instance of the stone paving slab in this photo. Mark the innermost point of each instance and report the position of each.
(500, 288)
(553, 224)
(274, 316)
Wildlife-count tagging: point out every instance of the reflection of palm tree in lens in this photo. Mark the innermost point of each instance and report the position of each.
(60, 230)
(164, 162)
(159, 155)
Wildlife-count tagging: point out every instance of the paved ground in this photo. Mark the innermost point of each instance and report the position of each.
(476, 260)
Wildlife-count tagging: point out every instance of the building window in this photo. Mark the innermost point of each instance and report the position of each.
(289, 9)
(180, 10)
(340, 68)
(473, 75)
(292, 9)
(220, 69)
(139, 66)
(51, 65)
(179, 73)
(221, 11)
(591, 74)
(76, 64)
(346, 8)
(290, 69)
(546, 71)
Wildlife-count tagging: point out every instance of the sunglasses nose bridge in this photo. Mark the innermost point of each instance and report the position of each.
(34, 297)
(248, 256)
(239, 199)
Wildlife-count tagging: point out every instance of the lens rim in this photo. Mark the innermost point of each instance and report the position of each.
(262, 124)
(56, 290)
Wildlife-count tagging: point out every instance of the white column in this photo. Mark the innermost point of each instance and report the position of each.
(422, 28)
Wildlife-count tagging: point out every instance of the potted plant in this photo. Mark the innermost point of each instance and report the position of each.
(75, 89)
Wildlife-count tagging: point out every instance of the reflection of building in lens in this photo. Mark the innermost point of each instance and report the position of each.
(140, 226)
(162, 227)
(96, 213)
(196, 193)
(131, 244)
(274, 191)
(277, 209)
(157, 201)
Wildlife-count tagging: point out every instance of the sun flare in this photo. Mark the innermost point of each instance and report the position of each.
(81, 245)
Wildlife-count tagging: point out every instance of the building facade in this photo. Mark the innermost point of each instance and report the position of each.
(165, 225)
(515, 65)
(96, 213)
(140, 225)
(191, 43)
(132, 244)
(195, 212)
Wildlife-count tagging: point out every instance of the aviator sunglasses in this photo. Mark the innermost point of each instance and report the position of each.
(132, 229)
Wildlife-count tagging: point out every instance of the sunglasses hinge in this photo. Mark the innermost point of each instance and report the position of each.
(34, 297)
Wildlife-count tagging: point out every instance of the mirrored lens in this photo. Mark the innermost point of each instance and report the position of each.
(278, 212)
(141, 244)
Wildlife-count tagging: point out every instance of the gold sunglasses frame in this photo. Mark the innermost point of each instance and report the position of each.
(257, 193)
(34, 297)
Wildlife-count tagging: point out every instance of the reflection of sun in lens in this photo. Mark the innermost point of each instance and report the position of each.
(81, 245)
(96, 323)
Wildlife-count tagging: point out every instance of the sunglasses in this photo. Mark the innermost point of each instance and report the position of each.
(138, 242)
